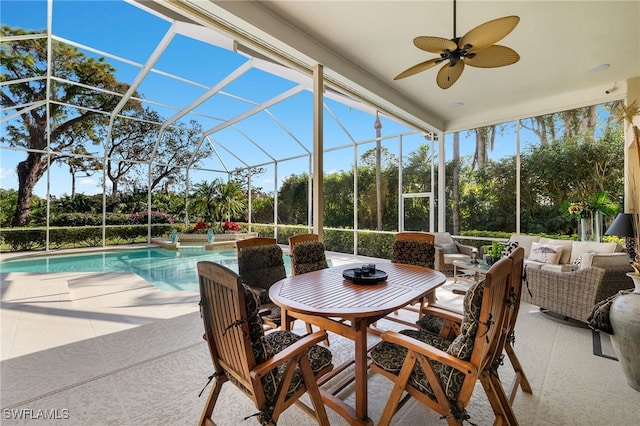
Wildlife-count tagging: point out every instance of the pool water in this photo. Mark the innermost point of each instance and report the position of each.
(174, 270)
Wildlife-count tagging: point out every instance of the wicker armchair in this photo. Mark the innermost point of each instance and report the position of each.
(574, 294)
(448, 250)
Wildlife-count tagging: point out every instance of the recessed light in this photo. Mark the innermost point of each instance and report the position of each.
(599, 68)
(457, 105)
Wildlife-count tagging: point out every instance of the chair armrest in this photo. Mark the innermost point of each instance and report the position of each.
(438, 261)
(429, 351)
(263, 312)
(443, 312)
(465, 249)
(299, 347)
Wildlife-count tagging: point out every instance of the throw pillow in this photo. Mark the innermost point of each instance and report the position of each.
(509, 248)
(449, 248)
(578, 260)
(545, 253)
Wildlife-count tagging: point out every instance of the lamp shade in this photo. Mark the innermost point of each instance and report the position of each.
(622, 226)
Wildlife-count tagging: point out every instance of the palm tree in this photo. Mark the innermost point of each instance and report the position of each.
(219, 201)
(230, 200)
(205, 198)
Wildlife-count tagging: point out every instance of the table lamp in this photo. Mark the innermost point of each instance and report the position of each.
(622, 226)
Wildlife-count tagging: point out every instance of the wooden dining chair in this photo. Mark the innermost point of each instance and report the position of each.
(260, 264)
(307, 254)
(446, 323)
(307, 257)
(416, 236)
(252, 242)
(273, 370)
(440, 373)
(413, 248)
(298, 239)
(515, 296)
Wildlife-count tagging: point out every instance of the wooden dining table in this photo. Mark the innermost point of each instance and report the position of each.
(326, 299)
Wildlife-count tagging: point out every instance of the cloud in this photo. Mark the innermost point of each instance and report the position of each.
(89, 186)
(8, 178)
(88, 182)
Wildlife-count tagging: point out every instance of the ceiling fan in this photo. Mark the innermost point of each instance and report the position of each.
(476, 48)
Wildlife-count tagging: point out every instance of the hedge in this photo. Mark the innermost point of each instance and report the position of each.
(25, 239)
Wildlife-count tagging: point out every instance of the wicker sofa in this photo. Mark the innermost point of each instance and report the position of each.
(574, 294)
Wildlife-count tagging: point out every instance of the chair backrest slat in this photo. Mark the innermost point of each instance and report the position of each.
(222, 296)
(416, 236)
(252, 242)
(517, 257)
(491, 322)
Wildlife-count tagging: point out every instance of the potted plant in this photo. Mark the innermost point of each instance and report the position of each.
(591, 212)
(494, 253)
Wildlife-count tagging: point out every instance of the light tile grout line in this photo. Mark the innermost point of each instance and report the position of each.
(101, 376)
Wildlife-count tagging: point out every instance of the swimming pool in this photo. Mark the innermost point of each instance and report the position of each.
(173, 270)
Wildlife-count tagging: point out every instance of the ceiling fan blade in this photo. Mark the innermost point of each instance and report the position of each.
(422, 66)
(493, 57)
(448, 74)
(434, 44)
(490, 32)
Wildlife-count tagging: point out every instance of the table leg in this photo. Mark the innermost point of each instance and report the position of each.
(361, 369)
(286, 321)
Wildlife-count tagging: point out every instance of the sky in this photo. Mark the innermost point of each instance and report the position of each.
(121, 30)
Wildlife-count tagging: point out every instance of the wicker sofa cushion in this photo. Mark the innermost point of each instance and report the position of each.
(441, 238)
(604, 260)
(524, 241)
(580, 248)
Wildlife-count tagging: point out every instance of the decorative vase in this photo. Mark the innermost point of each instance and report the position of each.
(625, 321)
(590, 227)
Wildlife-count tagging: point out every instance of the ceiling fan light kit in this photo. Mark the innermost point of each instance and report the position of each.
(476, 48)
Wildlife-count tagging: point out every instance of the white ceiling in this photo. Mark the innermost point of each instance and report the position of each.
(364, 44)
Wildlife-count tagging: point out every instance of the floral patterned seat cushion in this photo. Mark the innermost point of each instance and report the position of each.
(471, 309)
(308, 257)
(430, 323)
(260, 267)
(420, 253)
(390, 356)
(267, 345)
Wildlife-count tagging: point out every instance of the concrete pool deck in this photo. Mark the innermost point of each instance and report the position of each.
(110, 349)
(36, 306)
